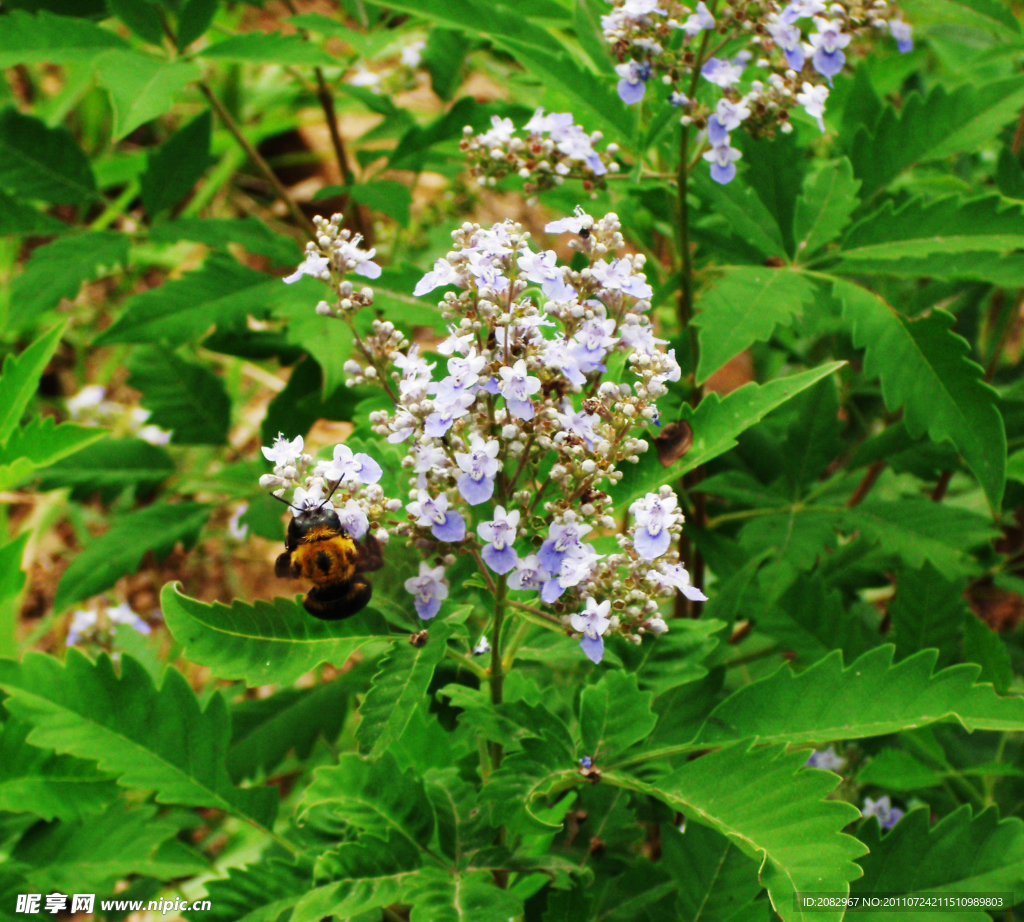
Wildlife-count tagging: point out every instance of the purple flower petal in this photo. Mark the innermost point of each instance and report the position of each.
(828, 64)
(437, 425)
(453, 528)
(593, 647)
(371, 471)
(795, 57)
(651, 546)
(631, 93)
(550, 559)
(426, 610)
(473, 491)
(717, 133)
(502, 561)
(520, 409)
(723, 174)
(550, 591)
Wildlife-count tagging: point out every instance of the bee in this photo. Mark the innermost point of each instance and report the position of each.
(320, 549)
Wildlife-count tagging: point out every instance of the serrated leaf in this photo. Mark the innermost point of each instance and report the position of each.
(185, 397)
(141, 86)
(746, 214)
(193, 20)
(743, 307)
(19, 379)
(925, 368)
(716, 880)
(259, 892)
(377, 797)
(57, 270)
(40, 443)
(17, 218)
(984, 647)
(266, 641)
(928, 610)
(959, 854)
(950, 225)
(141, 16)
(870, 697)
(614, 714)
(119, 550)
(397, 690)
(462, 828)
(144, 735)
(775, 168)
(38, 162)
(268, 48)
(716, 423)
(439, 896)
(812, 440)
(1003, 269)
(772, 808)
(928, 129)
(175, 166)
(34, 780)
(250, 233)
(222, 292)
(108, 467)
(44, 38)
(898, 770)
(676, 658)
(384, 195)
(825, 206)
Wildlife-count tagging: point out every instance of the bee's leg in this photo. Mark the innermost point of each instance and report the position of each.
(371, 554)
(284, 568)
(340, 600)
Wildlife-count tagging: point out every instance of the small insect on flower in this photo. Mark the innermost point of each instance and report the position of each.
(319, 548)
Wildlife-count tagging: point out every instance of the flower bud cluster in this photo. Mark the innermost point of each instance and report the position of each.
(788, 48)
(545, 152)
(512, 444)
(347, 483)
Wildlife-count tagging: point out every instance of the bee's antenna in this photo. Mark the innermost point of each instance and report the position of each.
(281, 499)
(329, 495)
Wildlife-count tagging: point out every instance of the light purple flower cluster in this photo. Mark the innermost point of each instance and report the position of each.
(546, 151)
(512, 433)
(883, 810)
(90, 625)
(789, 45)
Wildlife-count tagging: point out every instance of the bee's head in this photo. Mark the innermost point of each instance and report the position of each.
(320, 517)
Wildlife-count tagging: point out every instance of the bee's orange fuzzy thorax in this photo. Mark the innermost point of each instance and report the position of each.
(327, 560)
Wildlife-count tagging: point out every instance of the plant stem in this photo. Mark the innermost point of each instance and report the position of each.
(257, 158)
(686, 288)
(867, 482)
(541, 617)
(514, 643)
(466, 663)
(941, 486)
(497, 666)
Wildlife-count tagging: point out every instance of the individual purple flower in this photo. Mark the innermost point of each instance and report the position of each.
(349, 252)
(674, 576)
(479, 467)
(654, 515)
(458, 341)
(314, 496)
(123, 614)
(542, 269)
(353, 468)
(592, 342)
(678, 99)
(887, 815)
(312, 265)
(826, 759)
(576, 144)
(580, 222)
(901, 31)
(813, 100)
(721, 72)
(580, 423)
(428, 589)
(586, 762)
(448, 407)
(353, 518)
(723, 162)
(640, 338)
(787, 37)
(81, 622)
(529, 574)
(699, 21)
(463, 372)
(561, 540)
(730, 114)
(500, 533)
(283, 452)
(577, 565)
(443, 273)
(619, 275)
(801, 9)
(828, 42)
(558, 353)
(633, 85)
(434, 513)
(517, 387)
(592, 622)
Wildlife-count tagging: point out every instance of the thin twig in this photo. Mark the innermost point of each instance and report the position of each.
(867, 482)
(941, 486)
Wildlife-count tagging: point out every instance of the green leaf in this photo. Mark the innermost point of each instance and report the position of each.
(109, 467)
(58, 269)
(716, 880)
(813, 438)
(175, 166)
(744, 307)
(926, 369)
(141, 16)
(439, 896)
(398, 688)
(146, 736)
(614, 714)
(746, 214)
(141, 86)
(20, 376)
(948, 225)
(928, 129)
(774, 810)
(984, 647)
(38, 162)
(676, 658)
(41, 443)
(443, 58)
(1004, 270)
(18, 218)
(898, 770)
(716, 423)
(824, 208)
(774, 168)
(870, 697)
(376, 797)
(193, 20)
(39, 781)
(187, 398)
(12, 582)
(259, 892)
(384, 195)
(927, 611)
(47, 39)
(250, 233)
(266, 641)
(222, 292)
(119, 550)
(96, 852)
(269, 48)
(959, 854)
(462, 828)
(995, 12)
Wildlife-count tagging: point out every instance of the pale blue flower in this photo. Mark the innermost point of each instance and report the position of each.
(592, 622)
(633, 85)
(479, 466)
(517, 387)
(428, 590)
(901, 31)
(828, 42)
(434, 514)
(500, 533)
(561, 540)
(888, 815)
(723, 162)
